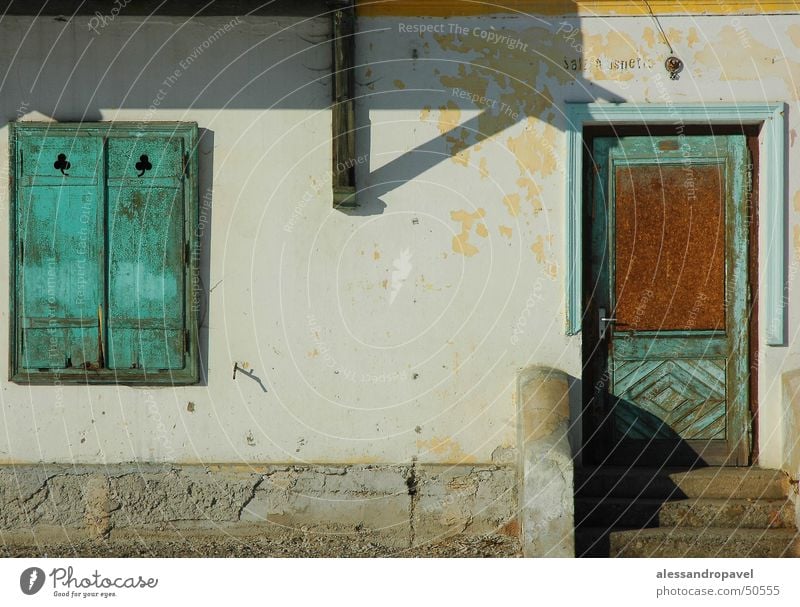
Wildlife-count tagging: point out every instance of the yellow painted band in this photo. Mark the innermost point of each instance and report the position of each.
(461, 8)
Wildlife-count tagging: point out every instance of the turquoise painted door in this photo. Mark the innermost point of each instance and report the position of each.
(669, 299)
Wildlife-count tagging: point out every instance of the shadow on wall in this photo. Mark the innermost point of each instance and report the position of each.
(97, 67)
(473, 65)
(285, 63)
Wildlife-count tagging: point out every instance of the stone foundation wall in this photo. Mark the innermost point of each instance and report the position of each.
(394, 504)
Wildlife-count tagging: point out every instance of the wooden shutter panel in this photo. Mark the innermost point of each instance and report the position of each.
(146, 249)
(59, 283)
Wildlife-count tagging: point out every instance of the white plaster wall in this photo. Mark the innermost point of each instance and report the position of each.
(394, 331)
(728, 59)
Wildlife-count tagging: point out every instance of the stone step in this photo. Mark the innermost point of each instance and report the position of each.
(705, 543)
(616, 512)
(672, 484)
(731, 513)
(641, 513)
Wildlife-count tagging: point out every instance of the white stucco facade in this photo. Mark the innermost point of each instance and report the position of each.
(393, 332)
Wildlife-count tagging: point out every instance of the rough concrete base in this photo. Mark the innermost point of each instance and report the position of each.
(392, 506)
(250, 541)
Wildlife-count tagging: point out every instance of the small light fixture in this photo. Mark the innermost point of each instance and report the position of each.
(674, 67)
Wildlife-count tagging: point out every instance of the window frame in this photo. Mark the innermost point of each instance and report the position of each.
(188, 375)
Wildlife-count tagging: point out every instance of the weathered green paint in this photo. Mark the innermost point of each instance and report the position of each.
(103, 253)
(703, 374)
(60, 275)
(146, 251)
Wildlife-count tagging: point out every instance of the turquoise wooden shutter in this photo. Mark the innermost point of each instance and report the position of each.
(59, 252)
(146, 253)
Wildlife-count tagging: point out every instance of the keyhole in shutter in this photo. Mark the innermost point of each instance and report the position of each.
(143, 165)
(61, 164)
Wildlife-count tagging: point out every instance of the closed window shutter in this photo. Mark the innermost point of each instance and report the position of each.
(146, 253)
(59, 280)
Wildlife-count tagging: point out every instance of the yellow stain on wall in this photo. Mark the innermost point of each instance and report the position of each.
(794, 34)
(449, 117)
(796, 242)
(693, 37)
(512, 204)
(427, 285)
(481, 230)
(483, 168)
(461, 242)
(649, 36)
(607, 46)
(458, 8)
(675, 35)
(446, 449)
(506, 231)
(538, 247)
(511, 72)
(470, 80)
(534, 148)
(543, 251)
(740, 57)
(399, 84)
(532, 195)
(459, 147)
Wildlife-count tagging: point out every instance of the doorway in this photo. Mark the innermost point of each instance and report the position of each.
(667, 297)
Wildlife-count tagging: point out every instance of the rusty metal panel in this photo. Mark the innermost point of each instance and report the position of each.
(669, 271)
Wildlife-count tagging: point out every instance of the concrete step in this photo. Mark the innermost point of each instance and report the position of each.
(709, 542)
(616, 512)
(671, 484)
(641, 513)
(730, 513)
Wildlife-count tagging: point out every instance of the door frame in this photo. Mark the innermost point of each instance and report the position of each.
(766, 140)
(598, 425)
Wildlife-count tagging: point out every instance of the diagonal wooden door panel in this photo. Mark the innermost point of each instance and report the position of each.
(688, 396)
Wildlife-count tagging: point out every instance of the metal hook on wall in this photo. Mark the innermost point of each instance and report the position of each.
(243, 368)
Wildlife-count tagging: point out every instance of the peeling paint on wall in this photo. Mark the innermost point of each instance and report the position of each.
(461, 242)
(543, 251)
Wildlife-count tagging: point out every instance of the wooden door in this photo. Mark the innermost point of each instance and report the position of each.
(669, 298)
